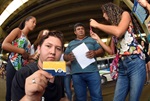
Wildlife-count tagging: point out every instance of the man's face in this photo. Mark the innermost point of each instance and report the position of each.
(80, 32)
(50, 50)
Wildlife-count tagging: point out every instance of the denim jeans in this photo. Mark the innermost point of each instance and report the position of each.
(10, 73)
(67, 84)
(132, 74)
(91, 80)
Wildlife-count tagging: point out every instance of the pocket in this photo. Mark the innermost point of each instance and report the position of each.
(131, 58)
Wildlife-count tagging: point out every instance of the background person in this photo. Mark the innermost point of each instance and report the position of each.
(18, 45)
(147, 59)
(36, 42)
(34, 55)
(89, 76)
(67, 79)
(132, 70)
(145, 4)
(31, 83)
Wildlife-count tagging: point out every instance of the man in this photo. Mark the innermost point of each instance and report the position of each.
(31, 83)
(89, 76)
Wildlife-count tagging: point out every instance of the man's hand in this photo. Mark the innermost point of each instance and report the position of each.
(90, 54)
(70, 57)
(35, 85)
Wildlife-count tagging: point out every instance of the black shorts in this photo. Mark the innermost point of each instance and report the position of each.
(147, 59)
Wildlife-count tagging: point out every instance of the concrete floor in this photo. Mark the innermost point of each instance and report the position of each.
(107, 91)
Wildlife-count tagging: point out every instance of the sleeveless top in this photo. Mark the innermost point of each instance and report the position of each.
(127, 45)
(16, 58)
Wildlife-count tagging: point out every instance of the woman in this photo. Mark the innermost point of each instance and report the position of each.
(19, 46)
(131, 61)
(36, 42)
(34, 55)
(147, 59)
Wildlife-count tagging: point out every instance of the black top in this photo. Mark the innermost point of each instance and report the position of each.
(53, 92)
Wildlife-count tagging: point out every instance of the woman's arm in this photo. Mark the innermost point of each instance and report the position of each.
(117, 31)
(109, 49)
(7, 43)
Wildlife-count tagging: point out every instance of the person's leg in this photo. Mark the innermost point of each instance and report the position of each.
(137, 75)
(147, 74)
(122, 85)
(94, 86)
(148, 67)
(10, 72)
(80, 87)
(67, 84)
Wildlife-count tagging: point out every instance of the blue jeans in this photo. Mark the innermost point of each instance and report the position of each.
(67, 84)
(132, 74)
(91, 80)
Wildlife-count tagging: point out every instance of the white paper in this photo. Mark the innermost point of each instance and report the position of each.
(80, 54)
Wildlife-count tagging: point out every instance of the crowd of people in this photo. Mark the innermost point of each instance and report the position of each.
(3, 70)
(27, 81)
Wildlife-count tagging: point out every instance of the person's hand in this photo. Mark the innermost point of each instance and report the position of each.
(93, 23)
(36, 83)
(90, 54)
(94, 35)
(70, 57)
(25, 55)
(34, 57)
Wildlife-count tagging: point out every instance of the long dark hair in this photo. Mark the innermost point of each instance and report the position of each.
(135, 24)
(22, 24)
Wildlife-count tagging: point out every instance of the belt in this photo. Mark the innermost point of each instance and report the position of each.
(124, 57)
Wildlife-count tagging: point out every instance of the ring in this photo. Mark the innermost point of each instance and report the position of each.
(33, 81)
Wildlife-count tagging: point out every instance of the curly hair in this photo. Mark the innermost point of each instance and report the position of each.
(113, 12)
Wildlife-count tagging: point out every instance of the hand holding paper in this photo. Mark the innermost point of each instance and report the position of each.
(81, 55)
